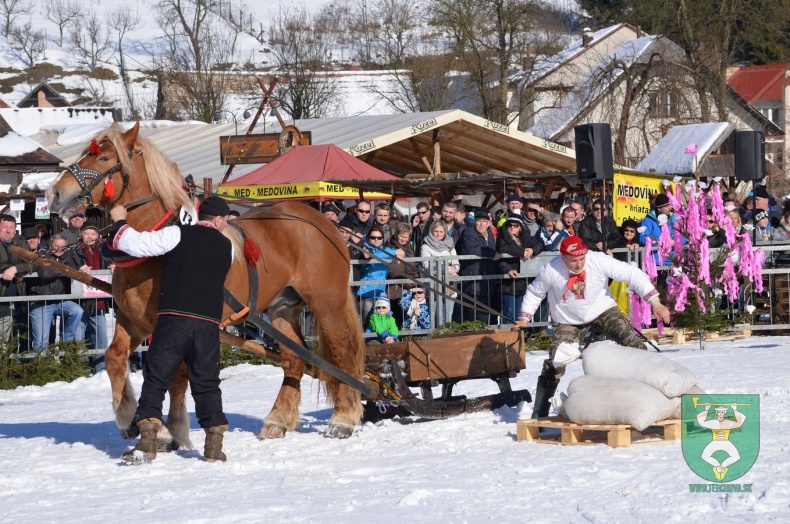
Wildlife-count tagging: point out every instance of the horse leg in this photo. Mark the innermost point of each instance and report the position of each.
(285, 411)
(116, 359)
(174, 434)
(341, 343)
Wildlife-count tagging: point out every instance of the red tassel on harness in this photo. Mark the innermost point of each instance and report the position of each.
(251, 252)
(94, 148)
(109, 188)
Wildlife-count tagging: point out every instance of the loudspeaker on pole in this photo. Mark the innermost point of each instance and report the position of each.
(594, 152)
(749, 155)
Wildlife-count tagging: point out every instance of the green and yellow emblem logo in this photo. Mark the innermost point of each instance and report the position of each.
(721, 435)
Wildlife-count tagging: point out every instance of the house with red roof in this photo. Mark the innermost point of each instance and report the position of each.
(767, 88)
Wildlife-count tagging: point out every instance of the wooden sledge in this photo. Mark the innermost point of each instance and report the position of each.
(563, 431)
(444, 361)
(679, 336)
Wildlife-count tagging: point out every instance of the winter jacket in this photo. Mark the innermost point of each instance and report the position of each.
(7, 260)
(362, 227)
(473, 243)
(50, 282)
(428, 251)
(383, 326)
(653, 231)
(507, 245)
(374, 270)
(609, 234)
(551, 242)
(90, 305)
(419, 232)
(422, 320)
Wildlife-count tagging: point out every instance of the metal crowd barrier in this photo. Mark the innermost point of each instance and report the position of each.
(773, 304)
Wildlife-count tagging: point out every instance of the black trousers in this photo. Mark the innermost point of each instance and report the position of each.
(179, 339)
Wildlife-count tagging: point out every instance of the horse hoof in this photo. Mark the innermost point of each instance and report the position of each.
(270, 431)
(337, 431)
(166, 446)
(130, 433)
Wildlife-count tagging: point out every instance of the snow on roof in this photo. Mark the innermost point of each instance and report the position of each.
(28, 121)
(670, 157)
(544, 67)
(594, 84)
(14, 145)
(195, 146)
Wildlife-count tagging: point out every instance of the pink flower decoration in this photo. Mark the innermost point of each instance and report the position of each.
(691, 149)
(704, 262)
(648, 262)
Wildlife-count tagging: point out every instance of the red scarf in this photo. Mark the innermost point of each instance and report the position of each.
(576, 285)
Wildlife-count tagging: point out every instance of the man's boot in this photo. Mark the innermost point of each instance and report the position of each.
(149, 427)
(540, 407)
(213, 448)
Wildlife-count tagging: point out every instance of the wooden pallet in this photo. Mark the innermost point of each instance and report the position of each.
(563, 431)
(679, 336)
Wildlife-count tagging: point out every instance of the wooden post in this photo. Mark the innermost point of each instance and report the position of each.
(74, 274)
(208, 186)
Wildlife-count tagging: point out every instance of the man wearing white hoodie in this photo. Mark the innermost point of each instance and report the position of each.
(577, 286)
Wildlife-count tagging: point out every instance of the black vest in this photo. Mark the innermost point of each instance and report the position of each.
(194, 274)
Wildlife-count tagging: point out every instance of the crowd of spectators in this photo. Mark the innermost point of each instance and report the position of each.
(522, 229)
(33, 324)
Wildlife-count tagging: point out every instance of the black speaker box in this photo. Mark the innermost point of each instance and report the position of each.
(749, 155)
(594, 152)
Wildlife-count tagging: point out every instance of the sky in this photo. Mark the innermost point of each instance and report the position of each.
(60, 449)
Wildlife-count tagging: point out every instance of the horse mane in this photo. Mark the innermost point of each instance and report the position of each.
(234, 235)
(164, 177)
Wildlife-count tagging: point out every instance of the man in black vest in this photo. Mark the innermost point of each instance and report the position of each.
(187, 329)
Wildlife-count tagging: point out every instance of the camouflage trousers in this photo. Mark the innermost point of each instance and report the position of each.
(611, 325)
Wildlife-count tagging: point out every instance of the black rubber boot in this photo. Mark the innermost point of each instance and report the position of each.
(543, 395)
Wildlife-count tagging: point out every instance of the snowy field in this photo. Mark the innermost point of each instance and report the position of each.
(59, 460)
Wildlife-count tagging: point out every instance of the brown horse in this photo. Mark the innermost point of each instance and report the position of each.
(303, 262)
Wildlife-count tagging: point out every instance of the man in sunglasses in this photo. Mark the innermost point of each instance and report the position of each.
(421, 224)
(363, 218)
(598, 230)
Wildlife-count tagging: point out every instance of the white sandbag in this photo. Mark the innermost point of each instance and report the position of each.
(608, 359)
(695, 390)
(603, 400)
(566, 353)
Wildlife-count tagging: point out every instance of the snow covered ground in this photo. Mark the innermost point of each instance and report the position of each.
(59, 459)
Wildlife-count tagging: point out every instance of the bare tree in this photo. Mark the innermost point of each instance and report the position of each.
(89, 40)
(491, 38)
(396, 36)
(123, 20)
(424, 84)
(61, 13)
(94, 92)
(27, 44)
(195, 61)
(306, 91)
(11, 10)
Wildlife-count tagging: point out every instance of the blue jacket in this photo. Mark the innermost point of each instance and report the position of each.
(653, 231)
(374, 271)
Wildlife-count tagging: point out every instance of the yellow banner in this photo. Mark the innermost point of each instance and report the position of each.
(305, 190)
(632, 196)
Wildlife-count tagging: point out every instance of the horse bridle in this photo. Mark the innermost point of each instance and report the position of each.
(80, 174)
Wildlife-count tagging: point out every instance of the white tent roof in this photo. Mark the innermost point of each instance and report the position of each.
(195, 146)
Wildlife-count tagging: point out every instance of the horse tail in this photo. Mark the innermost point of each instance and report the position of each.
(345, 347)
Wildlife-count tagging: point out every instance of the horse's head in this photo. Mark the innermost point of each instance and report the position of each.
(101, 175)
